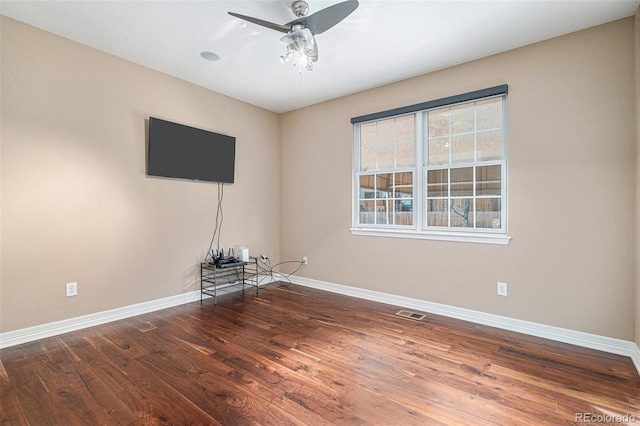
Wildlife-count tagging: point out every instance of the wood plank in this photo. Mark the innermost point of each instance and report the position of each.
(300, 356)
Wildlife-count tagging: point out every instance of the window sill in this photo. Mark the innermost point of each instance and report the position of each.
(464, 237)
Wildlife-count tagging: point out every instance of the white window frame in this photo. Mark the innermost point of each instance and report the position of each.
(419, 229)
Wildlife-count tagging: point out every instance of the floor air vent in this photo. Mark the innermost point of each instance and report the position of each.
(409, 314)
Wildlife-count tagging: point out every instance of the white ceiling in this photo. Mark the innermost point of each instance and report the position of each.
(381, 42)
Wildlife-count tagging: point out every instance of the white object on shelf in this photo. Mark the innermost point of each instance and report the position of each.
(242, 254)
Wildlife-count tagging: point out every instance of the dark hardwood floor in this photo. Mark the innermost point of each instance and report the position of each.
(300, 356)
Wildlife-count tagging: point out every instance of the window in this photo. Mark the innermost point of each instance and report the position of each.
(387, 197)
(434, 170)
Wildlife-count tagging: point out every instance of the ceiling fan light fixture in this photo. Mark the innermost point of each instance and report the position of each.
(302, 49)
(309, 66)
(300, 56)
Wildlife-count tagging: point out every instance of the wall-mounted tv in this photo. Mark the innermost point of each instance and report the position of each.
(179, 151)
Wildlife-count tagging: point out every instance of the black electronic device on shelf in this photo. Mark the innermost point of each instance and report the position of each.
(229, 261)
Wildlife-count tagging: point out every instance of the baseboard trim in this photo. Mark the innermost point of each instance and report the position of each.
(635, 357)
(587, 340)
(25, 335)
(578, 338)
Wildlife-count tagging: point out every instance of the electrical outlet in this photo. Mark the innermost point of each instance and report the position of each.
(71, 289)
(502, 289)
(305, 261)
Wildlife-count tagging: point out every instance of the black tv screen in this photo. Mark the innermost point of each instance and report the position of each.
(179, 151)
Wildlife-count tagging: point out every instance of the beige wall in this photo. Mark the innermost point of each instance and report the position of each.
(571, 190)
(76, 203)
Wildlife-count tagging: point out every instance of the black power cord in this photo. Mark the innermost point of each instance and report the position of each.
(218, 226)
(267, 270)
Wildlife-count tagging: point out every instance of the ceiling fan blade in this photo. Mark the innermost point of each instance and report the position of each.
(267, 24)
(326, 18)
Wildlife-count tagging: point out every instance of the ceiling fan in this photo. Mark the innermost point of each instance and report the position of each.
(302, 48)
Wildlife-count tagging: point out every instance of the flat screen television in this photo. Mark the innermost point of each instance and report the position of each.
(183, 152)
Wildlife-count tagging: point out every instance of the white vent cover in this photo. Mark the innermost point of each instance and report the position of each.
(409, 314)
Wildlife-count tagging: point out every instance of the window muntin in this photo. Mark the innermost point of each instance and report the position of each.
(386, 198)
(385, 178)
(472, 131)
(464, 197)
(462, 155)
(464, 159)
(387, 144)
